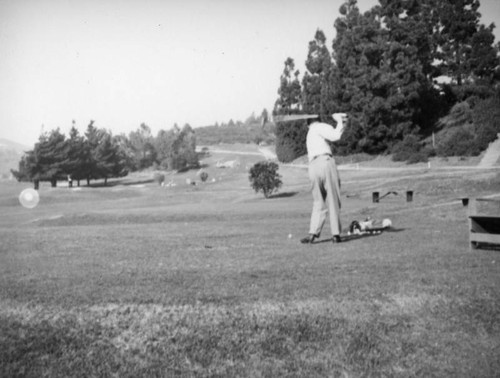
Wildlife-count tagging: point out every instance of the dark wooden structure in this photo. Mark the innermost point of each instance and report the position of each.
(484, 226)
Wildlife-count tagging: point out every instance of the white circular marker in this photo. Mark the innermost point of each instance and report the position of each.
(29, 198)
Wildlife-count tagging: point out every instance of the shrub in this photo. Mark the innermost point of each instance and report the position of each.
(469, 132)
(418, 157)
(405, 149)
(291, 140)
(264, 177)
(460, 114)
(486, 116)
(203, 176)
(457, 141)
(159, 178)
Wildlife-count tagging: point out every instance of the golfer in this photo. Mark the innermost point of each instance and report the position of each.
(324, 177)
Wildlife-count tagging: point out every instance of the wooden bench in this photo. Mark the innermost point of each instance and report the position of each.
(484, 226)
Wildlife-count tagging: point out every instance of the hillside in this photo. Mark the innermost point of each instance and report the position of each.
(235, 133)
(10, 154)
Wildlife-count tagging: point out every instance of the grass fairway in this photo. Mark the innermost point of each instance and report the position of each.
(140, 280)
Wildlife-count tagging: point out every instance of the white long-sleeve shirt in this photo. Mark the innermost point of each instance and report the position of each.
(318, 135)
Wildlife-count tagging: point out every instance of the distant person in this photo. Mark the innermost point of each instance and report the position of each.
(324, 177)
(70, 181)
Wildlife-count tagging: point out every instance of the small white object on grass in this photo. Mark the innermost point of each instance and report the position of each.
(386, 223)
(289, 236)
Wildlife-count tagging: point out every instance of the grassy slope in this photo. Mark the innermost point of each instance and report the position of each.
(142, 280)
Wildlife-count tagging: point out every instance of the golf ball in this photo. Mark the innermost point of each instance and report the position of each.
(289, 236)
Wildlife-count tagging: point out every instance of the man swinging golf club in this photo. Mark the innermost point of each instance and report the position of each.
(324, 177)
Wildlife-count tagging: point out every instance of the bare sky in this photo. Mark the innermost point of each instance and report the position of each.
(160, 62)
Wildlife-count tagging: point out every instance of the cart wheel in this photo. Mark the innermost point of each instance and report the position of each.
(474, 245)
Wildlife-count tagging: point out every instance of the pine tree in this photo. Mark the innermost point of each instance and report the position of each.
(110, 162)
(290, 136)
(93, 136)
(77, 155)
(51, 156)
(317, 96)
(360, 86)
(484, 57)
(466, 46)
(289, 100)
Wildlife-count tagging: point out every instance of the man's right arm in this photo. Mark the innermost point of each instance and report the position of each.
(329, 132)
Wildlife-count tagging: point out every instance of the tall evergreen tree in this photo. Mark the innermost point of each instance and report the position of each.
(110, 162)
(485, 57)
(290, 136)
(77, 155)
(289, 100)
(360, 86)
(51, 156)
(93, 137)
(317, 91)
(466, 47)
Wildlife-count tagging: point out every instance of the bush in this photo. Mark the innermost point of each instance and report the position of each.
(264, 177)
(469, 132)
(418, 157)
(407, 148)
(291, 140)
(159, 178)
(486, 116)
(457, 141)
(203, 176)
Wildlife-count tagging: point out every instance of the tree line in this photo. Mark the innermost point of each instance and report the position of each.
(255, 129)
(403, 70)
(100, 155)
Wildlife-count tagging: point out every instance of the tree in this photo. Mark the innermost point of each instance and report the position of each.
(77, 155)
(51, 156)
(290, 136)
(264, 117)
(484, 57)
(317, 96)
(187, 147)
(48, 161)
(142, 143)
(163, 144)
(264, 177)
(93, 137)
(289, 100)
(104, 156)
(26, 168)
(360, 85)
(176, 148)
(110, 161)
(458, 24)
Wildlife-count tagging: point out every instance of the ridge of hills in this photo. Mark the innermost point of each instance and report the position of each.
(10, 154)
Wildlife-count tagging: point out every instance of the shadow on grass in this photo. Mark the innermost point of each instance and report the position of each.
(282, 195)
(353, 237)
(113, 183)
(487, 246)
